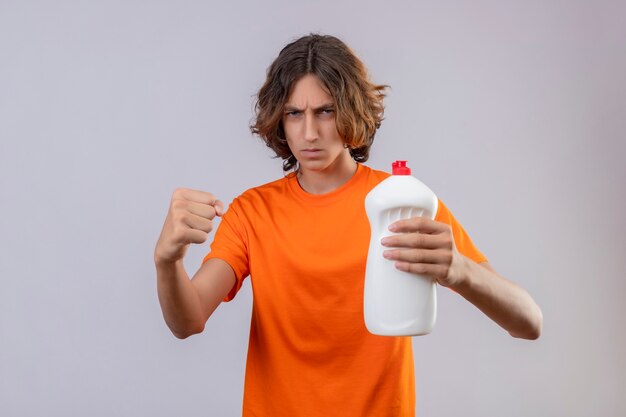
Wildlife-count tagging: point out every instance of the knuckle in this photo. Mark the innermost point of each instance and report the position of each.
(178, 192)
(419, 268)
(178, 204)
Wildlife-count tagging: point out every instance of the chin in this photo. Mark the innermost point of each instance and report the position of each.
(321, 162)
(314, 165)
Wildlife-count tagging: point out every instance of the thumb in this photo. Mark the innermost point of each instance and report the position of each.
(219, 208)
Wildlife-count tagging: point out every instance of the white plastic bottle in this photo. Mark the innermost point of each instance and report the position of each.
(397, 303)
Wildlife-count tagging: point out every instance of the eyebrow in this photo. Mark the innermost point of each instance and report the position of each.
(290, 107)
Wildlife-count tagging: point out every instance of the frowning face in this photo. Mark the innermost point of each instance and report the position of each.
(310, 128)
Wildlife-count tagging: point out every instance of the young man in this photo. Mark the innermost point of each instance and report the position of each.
(303, 240)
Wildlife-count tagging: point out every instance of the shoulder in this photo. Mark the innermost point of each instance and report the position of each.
(374, 176)
(270, 188)
(262, 194)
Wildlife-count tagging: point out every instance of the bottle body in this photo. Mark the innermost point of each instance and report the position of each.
(397, 303)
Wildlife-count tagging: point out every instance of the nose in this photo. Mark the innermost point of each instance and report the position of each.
(310, 128)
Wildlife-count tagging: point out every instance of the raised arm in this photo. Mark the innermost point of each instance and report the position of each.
(187, 304)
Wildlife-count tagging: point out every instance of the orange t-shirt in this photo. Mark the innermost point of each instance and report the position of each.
(309, 352)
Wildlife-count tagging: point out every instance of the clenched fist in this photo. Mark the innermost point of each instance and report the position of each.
(189, 220)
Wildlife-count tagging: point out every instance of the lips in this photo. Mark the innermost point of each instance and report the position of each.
(311, 152)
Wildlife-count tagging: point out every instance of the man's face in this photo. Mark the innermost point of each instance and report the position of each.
(309, 125)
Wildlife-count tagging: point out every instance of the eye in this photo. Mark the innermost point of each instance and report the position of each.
(293, 113)
(327, 111)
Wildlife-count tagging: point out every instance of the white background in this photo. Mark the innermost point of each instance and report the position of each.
(512, 112)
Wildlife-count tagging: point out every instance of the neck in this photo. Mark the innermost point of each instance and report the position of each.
(329, 179)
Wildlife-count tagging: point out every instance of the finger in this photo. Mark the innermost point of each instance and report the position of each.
(219, 208)
(441, 257)
(196, 236)
(195, 195)
(434, 271)
(414, 240)
(200, 209)
(417, 224)
(183, 234)
(198, 223)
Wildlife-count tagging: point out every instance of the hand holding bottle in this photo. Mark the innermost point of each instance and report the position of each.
(426, 247)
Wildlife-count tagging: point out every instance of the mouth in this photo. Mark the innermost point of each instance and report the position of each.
(311, 151)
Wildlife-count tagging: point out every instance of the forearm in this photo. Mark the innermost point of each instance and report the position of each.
(509, 305)
(179, 300)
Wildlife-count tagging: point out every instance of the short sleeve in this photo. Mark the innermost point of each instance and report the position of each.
(230, 244)
(461, 239)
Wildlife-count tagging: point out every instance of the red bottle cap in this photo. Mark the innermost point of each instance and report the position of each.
(400, 168)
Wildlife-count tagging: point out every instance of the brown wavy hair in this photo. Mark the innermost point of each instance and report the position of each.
(359, 102)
